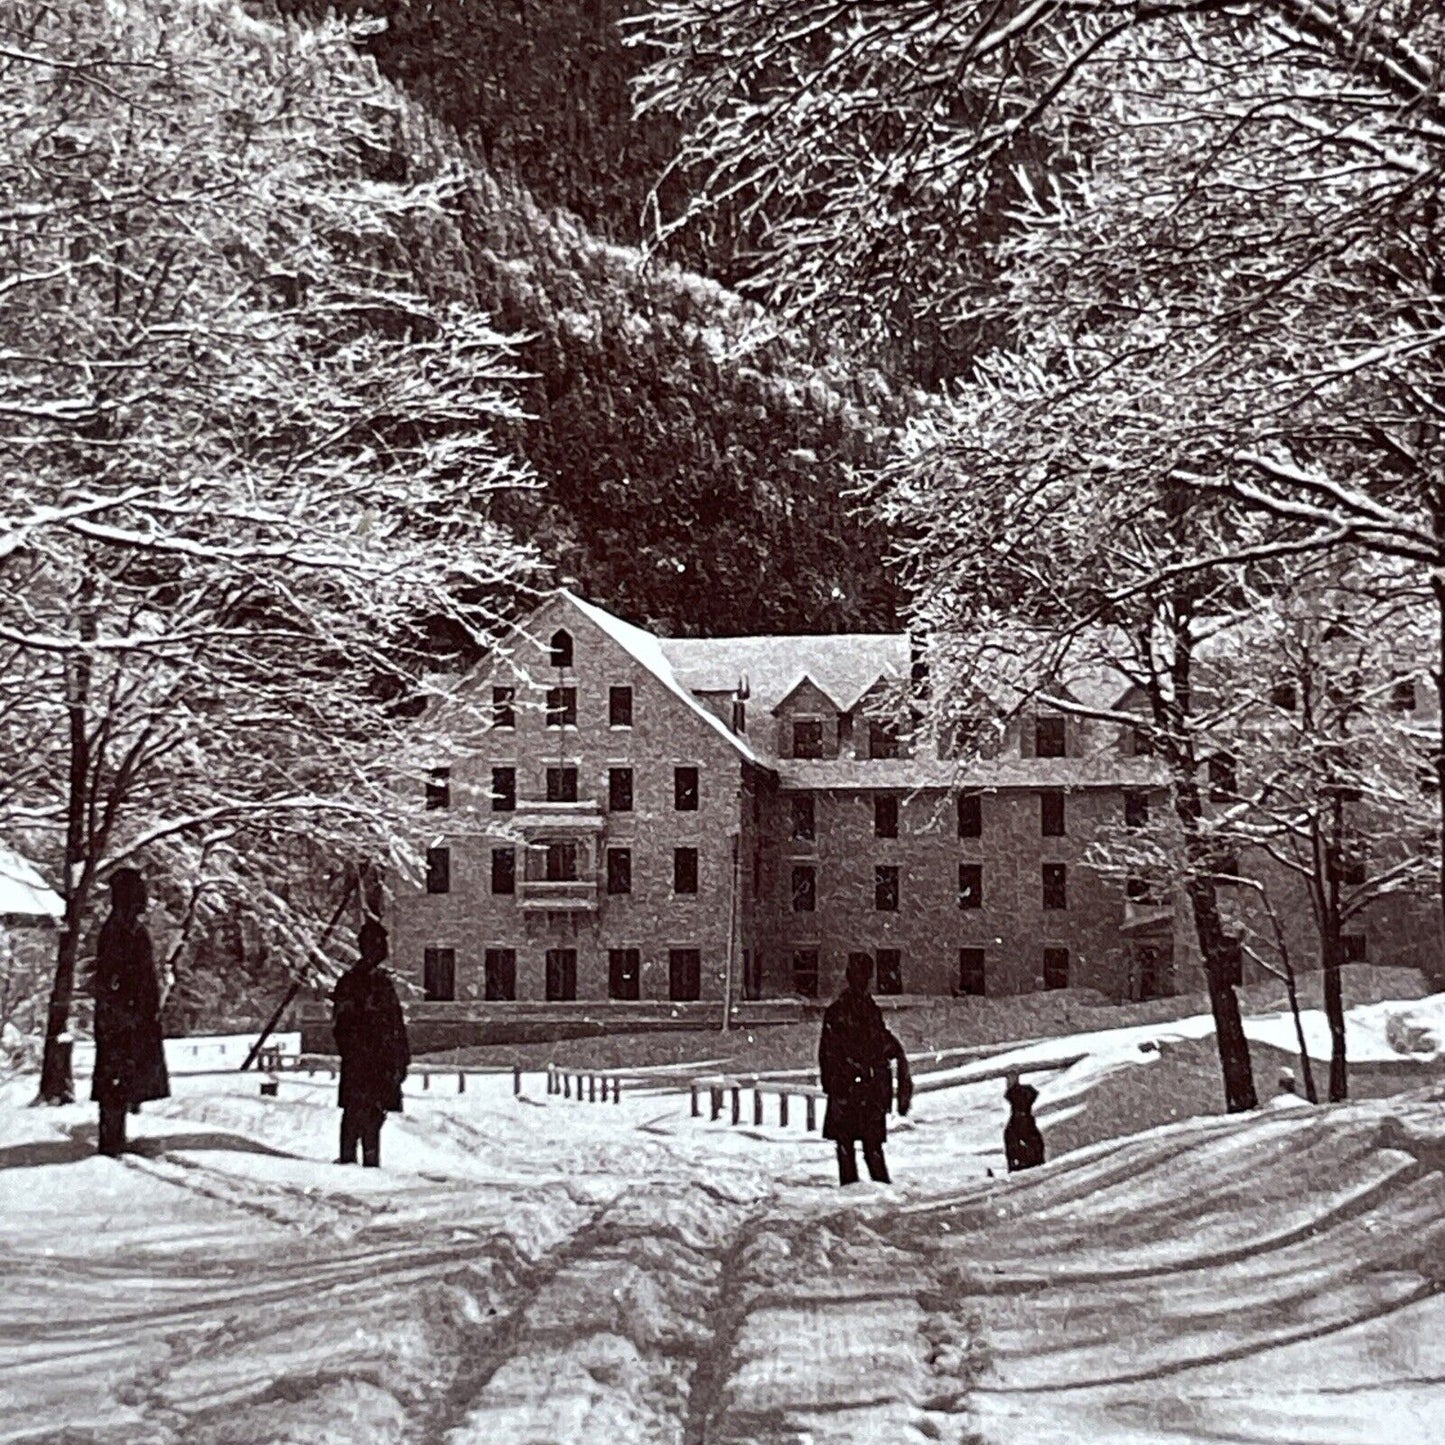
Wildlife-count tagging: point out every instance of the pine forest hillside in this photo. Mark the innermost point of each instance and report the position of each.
(696, 462)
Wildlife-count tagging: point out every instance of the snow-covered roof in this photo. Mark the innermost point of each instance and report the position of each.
(844, 665)
(23, 892)
(648, 650)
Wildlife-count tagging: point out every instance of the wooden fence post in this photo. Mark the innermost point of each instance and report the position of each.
(695, 1110)
(617, 1090)
(591, 1088)
(516, 1078)
(782, 1111)
(757, 1105)
(426, 1079)
(737, 1104)
(812, 1112)
(461, 1082)
(716, 1095)
(566, 1086)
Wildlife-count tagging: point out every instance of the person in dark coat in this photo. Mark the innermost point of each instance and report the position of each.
(130, 1059)
(371, 1039)
(1023, 1145)
(855, 1051)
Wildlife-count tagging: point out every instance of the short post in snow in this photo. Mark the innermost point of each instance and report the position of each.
(812, 1113)
(566, 1086)
(715, 1094)
(737, 1104)
(782, 1111)
(757, 1105)
(591, 1088)
(617, 1090)
(692, 1089)
(461, 1082)
(426, 1078)
(516, 1078)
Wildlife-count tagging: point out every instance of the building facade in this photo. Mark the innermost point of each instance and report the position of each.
(677, 822)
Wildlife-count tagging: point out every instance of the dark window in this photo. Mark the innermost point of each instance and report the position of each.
(439, 974)
(885, 817)
(619, 707)
(1147, 964)
(1136, 810)
(1056, 968)
(1051, 814)
(1402, 695)
(561, 645)
(1282, 695)
(619, 790)
(971, 971)
(562, 861)
(807, 737)
(1354, 946)
(561, 975)
(970, 815)
(561, 707)
(805, 818)
(805, 889)
(504, 870)
(1050, 737)
(499, 974)
(684, 974)
(885, 888)
(619, 870)
(1223, 784)
(805, 972)
(1056, 885)
(684, 870)
(1143, 741)
(684, 790)
(1233, 962)
(504, 790)
(882, 740)
(561, 785)
(438, 870)
(624, 973)
(504, 707)
(970, 885)
(439, 788)
(1137, 890)
(890, 971)
(752, 973)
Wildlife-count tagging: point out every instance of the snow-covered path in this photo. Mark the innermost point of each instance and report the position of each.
(538, 1270)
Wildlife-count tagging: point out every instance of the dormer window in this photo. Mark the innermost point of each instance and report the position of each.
(561, 645)
(882, 740)
(1050, 738)
(808, 737)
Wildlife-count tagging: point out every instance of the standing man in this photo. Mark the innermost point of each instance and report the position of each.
(371, 1039)
(854, 1053)
(130, 1060)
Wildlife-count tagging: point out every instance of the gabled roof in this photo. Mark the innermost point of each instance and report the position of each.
(23, 892)
(843, 665)
(646, 649)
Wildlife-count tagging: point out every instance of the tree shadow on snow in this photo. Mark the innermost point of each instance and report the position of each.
(81, 1144)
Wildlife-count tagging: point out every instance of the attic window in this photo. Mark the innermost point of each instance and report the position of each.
(561, 645)
(808, 737)
(1050, 737)
(882, 740)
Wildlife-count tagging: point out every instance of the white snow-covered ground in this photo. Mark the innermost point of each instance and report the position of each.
(536, 1270)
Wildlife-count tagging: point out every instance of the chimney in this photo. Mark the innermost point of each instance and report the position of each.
(740, 704)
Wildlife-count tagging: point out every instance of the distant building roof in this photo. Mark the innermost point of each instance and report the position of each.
(648, 650)
(23, 892)
(844, 665)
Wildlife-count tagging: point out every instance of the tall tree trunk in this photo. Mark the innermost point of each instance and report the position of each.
(1335, 1011)
(57, 1085)
(1234, 1059)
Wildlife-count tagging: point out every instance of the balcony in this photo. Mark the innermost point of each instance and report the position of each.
(557, 895)
(558, 820)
